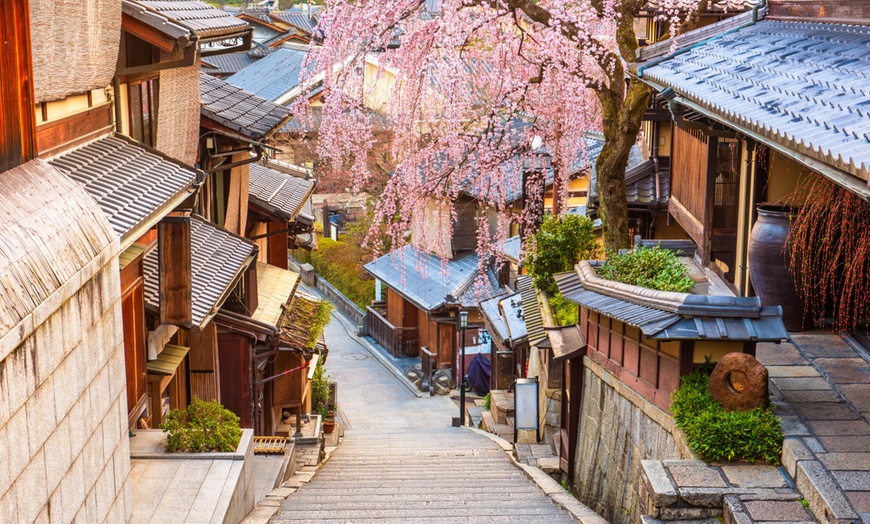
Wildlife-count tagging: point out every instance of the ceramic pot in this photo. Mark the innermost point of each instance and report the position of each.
(769, 261)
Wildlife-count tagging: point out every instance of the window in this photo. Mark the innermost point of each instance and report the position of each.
(143, 110)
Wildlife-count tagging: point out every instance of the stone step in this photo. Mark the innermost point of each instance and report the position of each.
(321, 489)
(502, 406)
(646, 519)
(748, 509)
(816, 484)
(383, 505)
(416, 512)
(522, 519)
(474, 415)
(412, 498)
(406, 484)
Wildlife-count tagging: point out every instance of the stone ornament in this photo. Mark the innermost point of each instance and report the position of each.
(739, 382)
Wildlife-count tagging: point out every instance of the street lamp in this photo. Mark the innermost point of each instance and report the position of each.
(463, 323)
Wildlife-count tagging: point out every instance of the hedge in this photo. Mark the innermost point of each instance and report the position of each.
(340, 263)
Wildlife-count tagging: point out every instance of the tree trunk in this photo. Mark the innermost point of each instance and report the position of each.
(623, 114)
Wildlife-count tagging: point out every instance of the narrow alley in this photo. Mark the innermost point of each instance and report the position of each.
(402, 462)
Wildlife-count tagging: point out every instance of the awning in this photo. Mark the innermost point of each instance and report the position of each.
(218, 260)
(168, 360)
(275, 288)
(278, 193)
(243, 112)
(567, 342)
(134, 186)
(199, 19)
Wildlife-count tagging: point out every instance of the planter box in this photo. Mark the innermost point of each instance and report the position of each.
(232, 473)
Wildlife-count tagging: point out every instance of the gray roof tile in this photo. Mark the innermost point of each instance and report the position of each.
(489, 309)
(273, 76)
(239, 110)
(200, 18)
(231, 63)
(129, 182)
(297, 20)
(279, 193)
(218, 259)
(512, 248)
(801, 85)
(421, 277)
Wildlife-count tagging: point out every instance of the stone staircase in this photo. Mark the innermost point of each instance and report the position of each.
(411, 476)
(694, 492)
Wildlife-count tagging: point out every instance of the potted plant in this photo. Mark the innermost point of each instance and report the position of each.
(329, 423)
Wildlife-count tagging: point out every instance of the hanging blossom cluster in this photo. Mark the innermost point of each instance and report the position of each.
(473, 92)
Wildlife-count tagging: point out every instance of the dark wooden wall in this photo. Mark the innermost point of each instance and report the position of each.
(235, 375)
(17, 119)
(834, 11)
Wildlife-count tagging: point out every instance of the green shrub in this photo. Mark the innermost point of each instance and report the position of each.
(487, 402)
(203, 426)
(653, 268)
(559, 245)
(565, 312)
(320, 391)
(716, 435)
(340, 263)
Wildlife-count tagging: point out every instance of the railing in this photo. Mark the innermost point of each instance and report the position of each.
(400, 342)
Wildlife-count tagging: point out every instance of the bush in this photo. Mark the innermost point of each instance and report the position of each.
(716, 435)
(565, 312)
(652, 268)
(320, 391)
(203, 426)
(340, 263)
(559, 245)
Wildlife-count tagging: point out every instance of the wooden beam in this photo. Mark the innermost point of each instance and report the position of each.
(174, 271)
(68, 132)
(147, 33)
(688, 221)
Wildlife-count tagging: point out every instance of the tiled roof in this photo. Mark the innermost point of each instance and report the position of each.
(297, 20)
(130, 183)
(803, 86)
(272, 76)
(640, 184)
(421, 277)
(239, 110)
(228, 63)
(532, 311)
(512, 248)
(218, 259)
(201, 19)
(279, 39)
(279, 193)
(761, 324)
(512, 312)
(691, 38)
(489, 309)
(298, 320)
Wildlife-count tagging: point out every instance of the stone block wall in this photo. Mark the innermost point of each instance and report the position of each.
(618, 429)
(64, 450)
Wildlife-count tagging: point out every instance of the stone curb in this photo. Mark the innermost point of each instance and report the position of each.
(348, 326)
(579, 511)
(271, 504)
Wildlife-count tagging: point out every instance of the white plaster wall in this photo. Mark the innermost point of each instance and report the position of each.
(64, 450)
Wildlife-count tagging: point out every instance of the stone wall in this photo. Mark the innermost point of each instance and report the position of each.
(63, 408)
(618, 429)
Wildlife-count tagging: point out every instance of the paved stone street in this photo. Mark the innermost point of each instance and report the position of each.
(402, 462)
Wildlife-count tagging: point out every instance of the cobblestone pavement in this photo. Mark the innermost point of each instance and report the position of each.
(402, 462)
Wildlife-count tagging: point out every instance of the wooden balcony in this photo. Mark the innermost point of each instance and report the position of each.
(399, 341)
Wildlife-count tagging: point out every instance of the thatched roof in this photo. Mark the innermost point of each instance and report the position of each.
(50, 232)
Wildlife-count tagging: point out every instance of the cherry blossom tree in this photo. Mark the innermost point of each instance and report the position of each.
(479, 90)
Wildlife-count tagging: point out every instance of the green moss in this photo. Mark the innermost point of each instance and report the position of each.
(565, 312)
(652, 268)
(203, 426)
(716, 435)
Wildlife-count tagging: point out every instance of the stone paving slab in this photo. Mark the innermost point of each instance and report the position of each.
(830, 463)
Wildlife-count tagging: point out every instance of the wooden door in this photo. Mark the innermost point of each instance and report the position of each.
(133, 314)
(234, 356)
(572, 387)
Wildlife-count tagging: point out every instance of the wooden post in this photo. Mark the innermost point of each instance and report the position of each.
(174, 270)
(17, 104)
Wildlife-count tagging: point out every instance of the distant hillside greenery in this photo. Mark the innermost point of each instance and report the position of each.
(341, 263)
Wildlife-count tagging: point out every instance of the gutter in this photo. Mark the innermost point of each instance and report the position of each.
(657, 61)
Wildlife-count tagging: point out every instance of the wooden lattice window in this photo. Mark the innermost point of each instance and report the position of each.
(726, 187)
